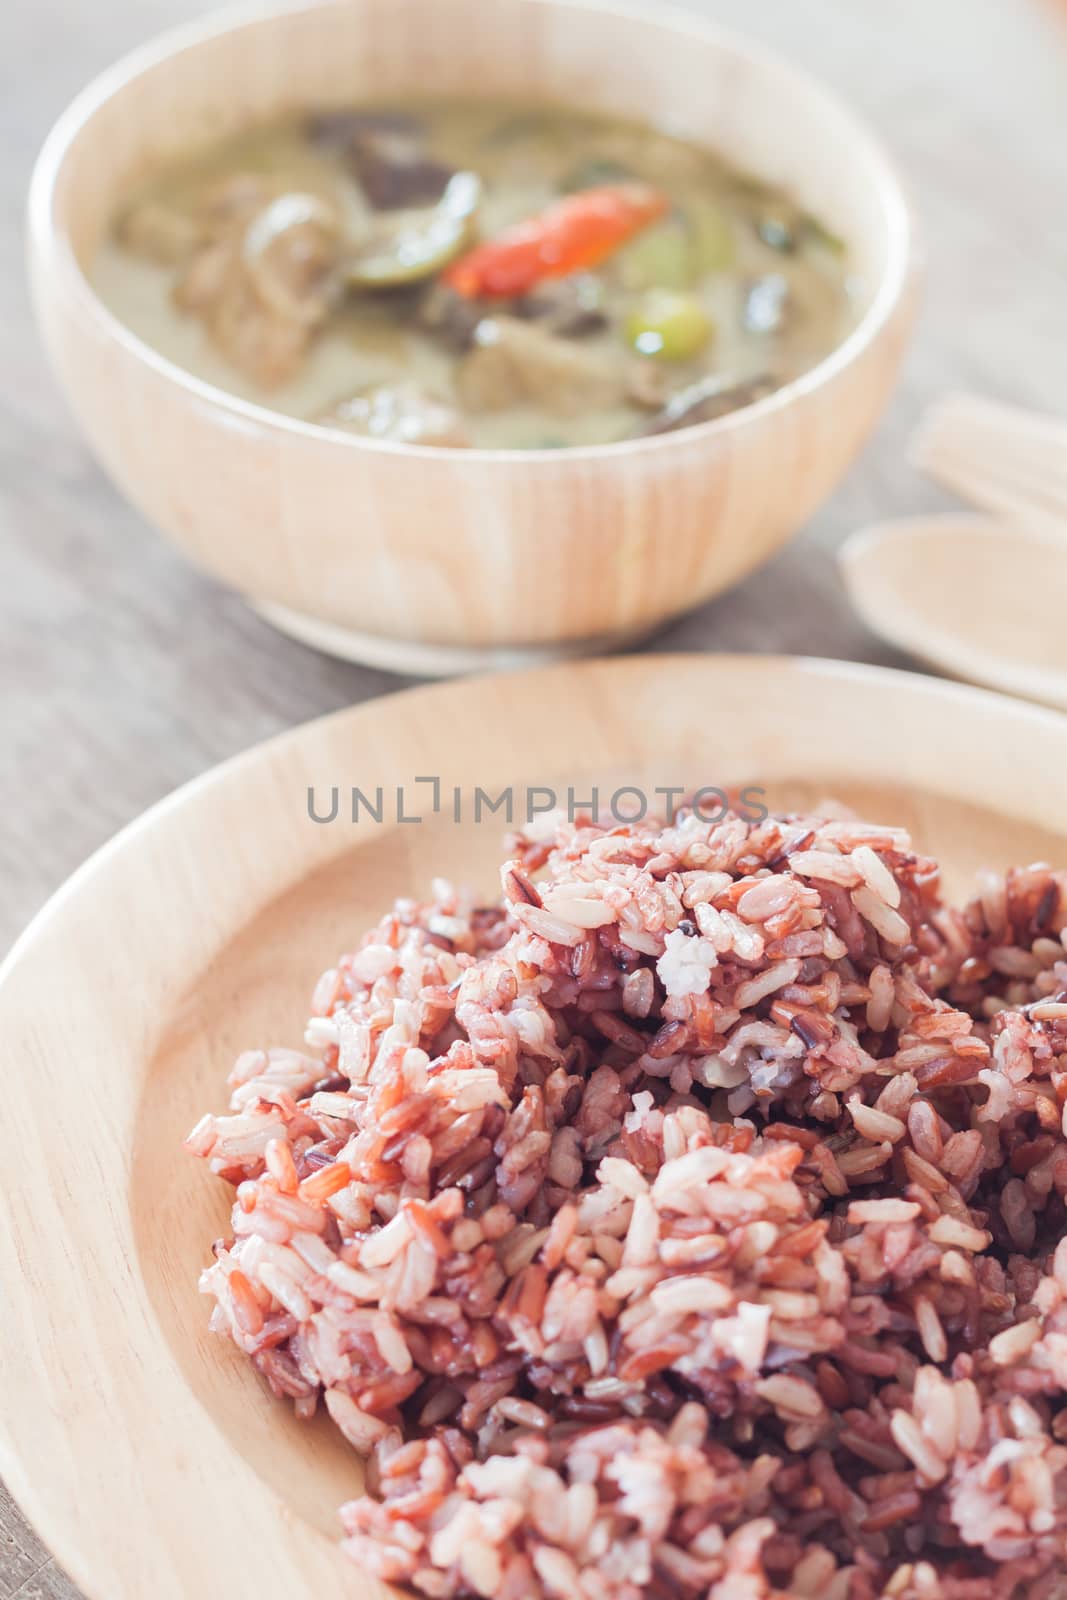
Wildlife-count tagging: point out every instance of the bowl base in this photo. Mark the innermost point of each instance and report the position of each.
(420, 660)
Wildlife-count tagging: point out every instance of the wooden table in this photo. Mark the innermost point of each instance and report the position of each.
(126, 674)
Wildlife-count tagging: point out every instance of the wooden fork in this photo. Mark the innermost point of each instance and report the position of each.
(1001, 458)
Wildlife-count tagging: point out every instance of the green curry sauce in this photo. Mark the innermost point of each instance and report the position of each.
(311, 265)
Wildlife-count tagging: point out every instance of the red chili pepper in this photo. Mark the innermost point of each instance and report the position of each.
(571, 236)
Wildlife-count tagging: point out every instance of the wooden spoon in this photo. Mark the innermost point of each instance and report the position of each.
(980, 599)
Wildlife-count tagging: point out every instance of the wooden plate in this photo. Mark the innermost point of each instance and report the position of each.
(147, 1453)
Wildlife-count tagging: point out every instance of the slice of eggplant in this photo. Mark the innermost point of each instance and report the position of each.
(712, 397)
(413, 245)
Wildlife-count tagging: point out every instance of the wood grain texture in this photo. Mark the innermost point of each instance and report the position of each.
(97, 1194)
(124, 673)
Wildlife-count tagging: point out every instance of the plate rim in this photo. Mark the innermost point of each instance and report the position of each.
(219, 771)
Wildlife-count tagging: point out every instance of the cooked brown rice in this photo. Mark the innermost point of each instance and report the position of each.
(686, 1224)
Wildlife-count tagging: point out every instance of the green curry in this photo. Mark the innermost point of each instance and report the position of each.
(473, 273)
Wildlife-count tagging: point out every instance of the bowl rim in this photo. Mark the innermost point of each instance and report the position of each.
(50, 246)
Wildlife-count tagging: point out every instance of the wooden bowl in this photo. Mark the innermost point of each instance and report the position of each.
(148, 1453)
(429, 559)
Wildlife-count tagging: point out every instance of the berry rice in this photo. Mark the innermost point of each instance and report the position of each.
(686, 1224)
